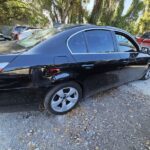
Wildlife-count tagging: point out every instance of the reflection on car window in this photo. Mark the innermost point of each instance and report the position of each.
(42, 35)
(124, 44)
(37, 37)
(77, 43)
(99, 41)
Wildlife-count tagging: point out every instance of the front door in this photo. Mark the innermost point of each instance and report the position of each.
(133, 62)
(97, 61)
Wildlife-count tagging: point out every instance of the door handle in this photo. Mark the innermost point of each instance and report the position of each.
(125, 62)
(88, 66)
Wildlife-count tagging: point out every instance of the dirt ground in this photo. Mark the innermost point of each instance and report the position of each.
(118, 119)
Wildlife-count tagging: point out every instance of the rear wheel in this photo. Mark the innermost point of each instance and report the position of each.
(147, 74)
(63, 98)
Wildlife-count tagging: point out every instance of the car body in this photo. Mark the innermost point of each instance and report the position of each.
(4, 37)
(84, 58)
(18, 30)
(144, 40)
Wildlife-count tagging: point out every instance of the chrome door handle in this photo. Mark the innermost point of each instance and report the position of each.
(88, 66)
(125, 61)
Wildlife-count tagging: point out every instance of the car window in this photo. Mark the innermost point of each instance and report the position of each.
(77, 43)
(99, 41)
(124, 44)
(19, 29)
(41, 35)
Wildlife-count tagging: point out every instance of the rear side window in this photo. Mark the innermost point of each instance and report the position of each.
(99, 41)
(124, 44)
(77, 43)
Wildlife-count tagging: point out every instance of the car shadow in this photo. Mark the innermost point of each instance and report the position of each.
(19, 101)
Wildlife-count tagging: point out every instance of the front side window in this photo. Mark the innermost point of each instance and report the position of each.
(99, 41)
(77, 43)
(124, 44)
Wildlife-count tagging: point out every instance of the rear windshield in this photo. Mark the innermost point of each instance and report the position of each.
(34, 39)
(42, 35)
(37, 37)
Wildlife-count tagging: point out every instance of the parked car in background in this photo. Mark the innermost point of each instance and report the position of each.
(144, 40)
(17, 30)
(27, 33)
(4, 37)
(71, 62)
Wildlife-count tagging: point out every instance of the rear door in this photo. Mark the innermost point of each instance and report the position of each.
(97, 59)
(133, 62)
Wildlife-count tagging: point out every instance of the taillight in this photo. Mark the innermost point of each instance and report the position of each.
(54, 70)
(17, 37)
(3, 65)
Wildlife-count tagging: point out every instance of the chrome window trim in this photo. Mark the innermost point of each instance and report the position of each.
(96, 29)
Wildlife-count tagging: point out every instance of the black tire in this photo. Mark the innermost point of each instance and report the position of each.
(53, 91)
(147, 74)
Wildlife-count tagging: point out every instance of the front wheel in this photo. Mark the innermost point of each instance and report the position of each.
(63, 98)
(147, 74)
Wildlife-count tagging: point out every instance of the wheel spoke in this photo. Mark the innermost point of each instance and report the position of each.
(64, 106)
(70, 99)
(71, 92)
(61, 93)
(56, 103)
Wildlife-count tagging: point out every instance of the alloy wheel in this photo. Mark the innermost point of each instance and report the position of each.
(64, 99)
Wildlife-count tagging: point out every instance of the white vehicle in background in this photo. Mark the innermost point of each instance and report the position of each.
(4, 37)
(27, 33)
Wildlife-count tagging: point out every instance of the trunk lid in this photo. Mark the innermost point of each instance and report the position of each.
(9, 50)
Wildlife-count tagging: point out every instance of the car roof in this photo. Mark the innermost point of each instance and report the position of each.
(70, 26)
(92, 26)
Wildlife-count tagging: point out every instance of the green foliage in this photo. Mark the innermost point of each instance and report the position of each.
(111, 13)
(104, 12)
(143, 24)
(16, 10)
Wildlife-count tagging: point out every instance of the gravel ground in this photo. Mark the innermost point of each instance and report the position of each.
(118, 119)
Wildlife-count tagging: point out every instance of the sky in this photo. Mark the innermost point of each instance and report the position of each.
(126, 5)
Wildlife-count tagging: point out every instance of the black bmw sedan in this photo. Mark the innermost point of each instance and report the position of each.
(71, 62)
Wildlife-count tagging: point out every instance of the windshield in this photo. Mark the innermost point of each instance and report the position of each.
(39, 36)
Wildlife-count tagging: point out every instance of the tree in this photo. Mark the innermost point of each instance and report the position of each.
(64, 11)
(17, 10)
(143, 24)
(111, 13)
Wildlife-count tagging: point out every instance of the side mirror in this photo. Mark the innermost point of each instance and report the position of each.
(145, 50)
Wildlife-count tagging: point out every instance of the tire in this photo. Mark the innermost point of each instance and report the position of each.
(63, 98)
(147, 74)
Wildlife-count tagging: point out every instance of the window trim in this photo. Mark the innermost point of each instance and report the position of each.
(83, 32)
(110, 30)
(114, 40)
